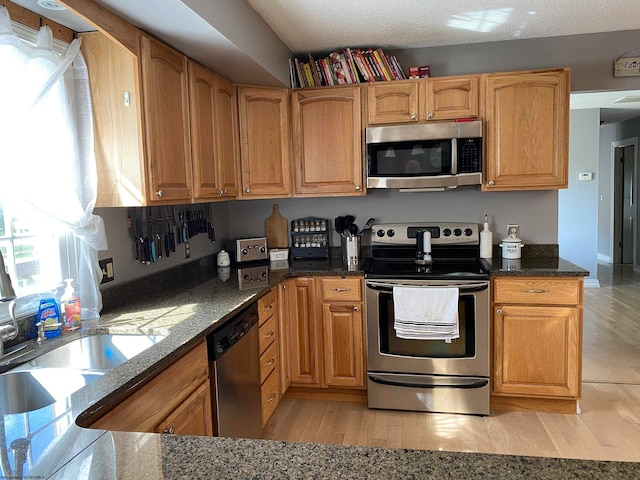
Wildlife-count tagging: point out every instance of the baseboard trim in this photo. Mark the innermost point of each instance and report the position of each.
(591, 283)
(327, 394)
(551, 405)
(604, 258)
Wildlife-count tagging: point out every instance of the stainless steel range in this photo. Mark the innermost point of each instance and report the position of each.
(427, 315)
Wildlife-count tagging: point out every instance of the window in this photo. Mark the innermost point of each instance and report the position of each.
(34, 257)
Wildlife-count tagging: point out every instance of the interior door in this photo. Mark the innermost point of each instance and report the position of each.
(626, 210)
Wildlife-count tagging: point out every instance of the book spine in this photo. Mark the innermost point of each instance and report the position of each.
(337, 67)
(325, 71)
(308, 75)
(345, 69)
(403, 76)
(372, 66)
(386, 75)
(314, 72)
(352, 66)
(301, 79)
(364, 73)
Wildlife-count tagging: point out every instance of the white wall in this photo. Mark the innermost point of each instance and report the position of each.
(578, 205)
(536, 212)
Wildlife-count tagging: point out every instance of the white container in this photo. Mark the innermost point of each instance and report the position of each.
(223, 260)
(276, 254)
(486, 240)
(511, 247)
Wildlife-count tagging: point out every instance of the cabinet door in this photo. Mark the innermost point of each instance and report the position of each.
(343, 326)
(327, 136)
(284, 330)
(213, 134)
(537, 350)
(527, 126)
(166, 120)
(451, 98)
(192, 417)
(392, 103)
(264, 142)
(304, 336)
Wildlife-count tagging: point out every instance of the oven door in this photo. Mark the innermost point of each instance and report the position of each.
(467, 355)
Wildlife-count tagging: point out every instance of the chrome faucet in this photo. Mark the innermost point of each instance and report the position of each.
(7, 294)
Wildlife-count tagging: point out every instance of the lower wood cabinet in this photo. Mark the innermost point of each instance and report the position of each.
(537, 338)
(178, 400)
(327, 332)
(269, 347)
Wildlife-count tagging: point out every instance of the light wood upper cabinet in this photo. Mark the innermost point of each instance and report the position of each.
(423, 100)
(264, 142)
(537, 337)
(327, 139)
(214, 134)
(166, 120)
(526, 130)
(451, 98)
(393, 102)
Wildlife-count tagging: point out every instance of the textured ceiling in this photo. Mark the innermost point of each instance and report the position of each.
(320, 25)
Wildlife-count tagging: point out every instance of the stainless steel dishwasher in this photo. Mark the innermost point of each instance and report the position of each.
(235, 370)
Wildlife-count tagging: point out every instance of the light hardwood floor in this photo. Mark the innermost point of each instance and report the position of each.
(607, 429)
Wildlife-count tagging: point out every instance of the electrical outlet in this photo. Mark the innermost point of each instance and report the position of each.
(106, 266)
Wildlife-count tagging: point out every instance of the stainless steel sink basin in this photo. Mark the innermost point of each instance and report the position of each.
(55, 375)
(96, 352)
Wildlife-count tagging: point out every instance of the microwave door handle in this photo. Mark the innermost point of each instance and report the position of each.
(454, 156)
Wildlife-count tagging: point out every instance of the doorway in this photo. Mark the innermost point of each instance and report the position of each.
(624, 201)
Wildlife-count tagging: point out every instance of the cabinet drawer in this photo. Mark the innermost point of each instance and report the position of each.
(268, 361)
(267, 306)
(538, 291)
(268, 333)
(270, 396)
(341, 289)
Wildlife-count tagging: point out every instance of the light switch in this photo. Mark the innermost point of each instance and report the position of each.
(582, 176)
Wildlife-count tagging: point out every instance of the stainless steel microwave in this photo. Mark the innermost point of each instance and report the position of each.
(433, 156)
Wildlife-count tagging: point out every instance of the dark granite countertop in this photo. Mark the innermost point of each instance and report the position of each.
(186, 308)
(534, 266)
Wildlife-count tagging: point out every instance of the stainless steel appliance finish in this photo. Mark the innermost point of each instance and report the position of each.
(428, 375)
(424, 156)
(250, 249)
(236, 373)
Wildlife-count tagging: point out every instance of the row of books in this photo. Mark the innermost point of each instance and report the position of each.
(348, 66)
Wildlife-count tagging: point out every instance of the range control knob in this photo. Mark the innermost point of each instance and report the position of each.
(380, 233)
(468, 232)
(446, 232)
(245, 251)
(457, 232)
(391, 232)
(262, 249)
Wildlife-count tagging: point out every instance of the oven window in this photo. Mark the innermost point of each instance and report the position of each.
(459, 348)
(414, 159)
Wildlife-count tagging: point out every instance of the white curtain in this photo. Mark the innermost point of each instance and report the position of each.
(46, 145)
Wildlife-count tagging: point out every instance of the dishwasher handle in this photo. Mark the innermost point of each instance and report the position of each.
(231, 332)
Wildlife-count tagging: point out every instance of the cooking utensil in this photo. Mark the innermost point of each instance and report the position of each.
(368, 225)
(353, 229)
(339, 225)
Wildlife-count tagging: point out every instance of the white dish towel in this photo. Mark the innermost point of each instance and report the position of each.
(426, 313)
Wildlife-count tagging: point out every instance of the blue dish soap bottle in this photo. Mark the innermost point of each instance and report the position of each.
(49, 315)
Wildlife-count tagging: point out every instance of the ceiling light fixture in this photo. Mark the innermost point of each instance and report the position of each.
(50, 5)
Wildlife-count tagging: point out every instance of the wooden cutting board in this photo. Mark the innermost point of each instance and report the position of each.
(276, 229)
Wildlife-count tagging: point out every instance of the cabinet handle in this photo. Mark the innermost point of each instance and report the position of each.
(490, 183)
(355, 309)
(413, 116)
(268, 307)
(169, 430)
(127, 99)
(284, 286)
(358, 188)
(248, 190)
(544, 290)
(499, 311)
(159, 193)
(272, 397)
(337, 289)
(270, 362)
(221, 192)
(343, 308)
(269, 335)
(430, 115)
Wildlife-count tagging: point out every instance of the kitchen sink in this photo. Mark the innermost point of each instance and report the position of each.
(55, 375)
(95, 352)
